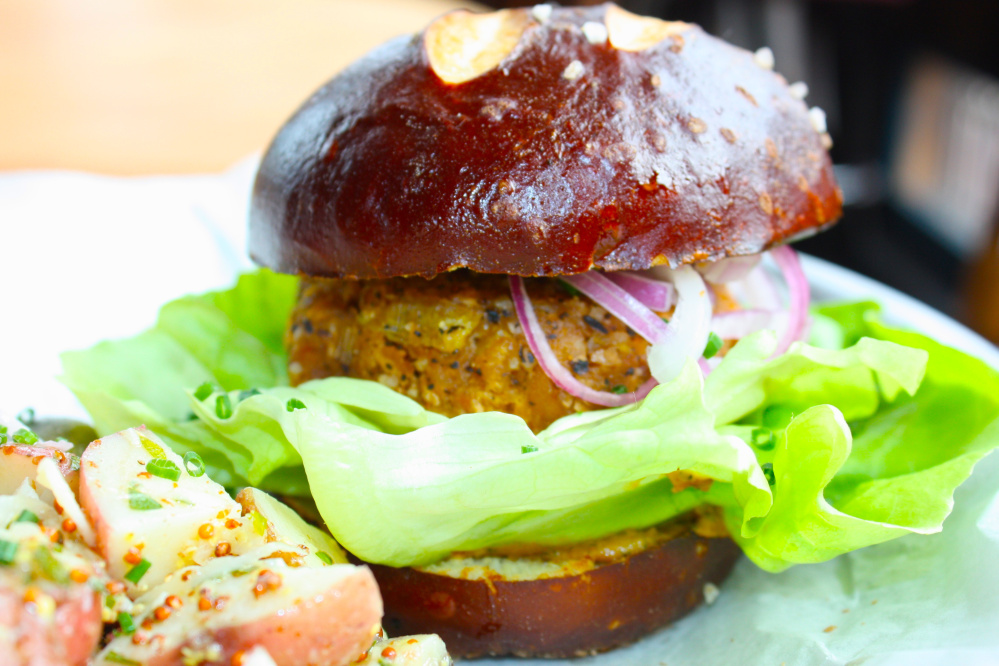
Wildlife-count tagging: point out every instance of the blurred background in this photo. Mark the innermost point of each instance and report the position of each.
(910, 88)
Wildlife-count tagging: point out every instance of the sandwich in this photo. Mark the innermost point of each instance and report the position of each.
(477, 215)
(531, 340)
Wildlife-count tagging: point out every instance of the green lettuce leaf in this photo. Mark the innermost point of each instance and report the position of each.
(840, 487)
(231, 339)
(885, 430)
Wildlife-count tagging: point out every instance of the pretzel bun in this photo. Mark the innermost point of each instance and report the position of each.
(561, 616)
(541, 143)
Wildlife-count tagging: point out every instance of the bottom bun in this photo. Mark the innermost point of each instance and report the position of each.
(545, 615)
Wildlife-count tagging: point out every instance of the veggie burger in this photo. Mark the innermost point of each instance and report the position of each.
(534, 345)
(538, 212)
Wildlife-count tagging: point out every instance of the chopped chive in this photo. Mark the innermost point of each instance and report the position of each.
(203, 391)
(8, 550)
(152, 448)
(620, 389)
(126, 622)
(528, 448)
(26, 416)
(249, 393)
(763, 439)
(109, 602)
(776, 417)
(768, 471)
(163, 469)
(3, 438)
(194, 465)
(3, 429)
(223, 406)
(139, 501)
(116, 658)
(25, 436)
(135, 574)
(714, 345)
(26, 517)
(294, 404)
(324, 556)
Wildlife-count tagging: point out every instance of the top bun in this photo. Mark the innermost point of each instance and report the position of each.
(544, 141)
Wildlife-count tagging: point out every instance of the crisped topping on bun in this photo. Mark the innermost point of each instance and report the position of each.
(530, 142)
(630, 32)
(462, 45)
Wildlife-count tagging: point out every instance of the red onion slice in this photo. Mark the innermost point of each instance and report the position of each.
(689, 326)
(656, 295)
(622, 305)
(797, 286)
(729, 269)
(758, 290)
(737, 324)
(546, 358)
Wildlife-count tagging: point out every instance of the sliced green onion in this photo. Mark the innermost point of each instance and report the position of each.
(528, 448)
(776, 417)
(126, 622)
(3, 438)
(249, 393)
(164, 469)
(139, 501)
(763, 439)
(259, 522)
(194, 465)
(223, 406)
(324, 556)
(135, 574)
(294, 404)
(714, 345)
(768, 471)
(203, 391)
(50, 567)
(3, 429)
(109, 602)
(26, 416)
(8, 550)
(620, 389)
(26, 517)
(239, 573)
(25, 436)
(116, 658)
(152, 448)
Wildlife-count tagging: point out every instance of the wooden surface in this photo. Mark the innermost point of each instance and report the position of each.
(170, 86)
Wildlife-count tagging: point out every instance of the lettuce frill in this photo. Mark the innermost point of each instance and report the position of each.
(887, 424)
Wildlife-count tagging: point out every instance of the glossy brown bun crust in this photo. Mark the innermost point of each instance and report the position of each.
(567, 155)
(570, 616)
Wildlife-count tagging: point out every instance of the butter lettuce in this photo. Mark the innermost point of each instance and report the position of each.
(884, 430)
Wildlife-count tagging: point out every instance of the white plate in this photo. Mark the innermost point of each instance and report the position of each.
(88, 257)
